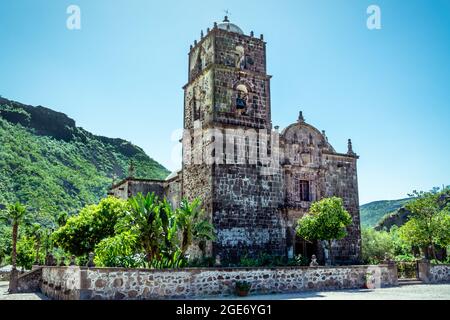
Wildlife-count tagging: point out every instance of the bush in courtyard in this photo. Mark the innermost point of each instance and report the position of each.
(151, 234)
(118, 251)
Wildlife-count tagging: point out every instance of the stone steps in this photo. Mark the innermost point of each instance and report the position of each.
(409, 282)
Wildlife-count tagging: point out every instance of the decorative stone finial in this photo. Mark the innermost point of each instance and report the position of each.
(131, 170)
(350, 147)
(252, 34)
(72, 261)
(195, 42)
(301, 118)
(217, 263)
(201, 34)
(208, 30)
(314, 262)
(91, 263)
(191, 47)
(261, 37)
(324, 135)
(215, 25)
(62, 262)
(226, 19)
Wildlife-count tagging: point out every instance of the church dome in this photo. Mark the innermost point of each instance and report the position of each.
(228, 26)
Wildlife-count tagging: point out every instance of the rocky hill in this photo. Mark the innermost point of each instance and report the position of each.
(52, 165)
(372, 213)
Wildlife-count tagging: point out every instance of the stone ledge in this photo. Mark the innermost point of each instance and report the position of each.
(82, 283)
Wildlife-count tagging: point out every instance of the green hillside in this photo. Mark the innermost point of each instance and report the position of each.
(373, 212)
(53, 166)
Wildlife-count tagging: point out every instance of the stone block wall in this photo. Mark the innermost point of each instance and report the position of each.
(226, 53)
(117, 284)
(258, 101)
(341, 181)
(246, 212)
(63, 283)
(30, 281)
(130, 187)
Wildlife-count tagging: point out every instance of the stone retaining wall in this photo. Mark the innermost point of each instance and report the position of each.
(440, 273)
(29, 282)
(73, 283)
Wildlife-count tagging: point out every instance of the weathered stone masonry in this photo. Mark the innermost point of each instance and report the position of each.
(75, 283)
(253, 212)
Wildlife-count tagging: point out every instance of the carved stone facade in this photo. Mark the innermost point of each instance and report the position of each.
(253, 206)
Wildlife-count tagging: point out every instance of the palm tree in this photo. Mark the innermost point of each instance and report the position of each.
(15, 214)
(151, 224)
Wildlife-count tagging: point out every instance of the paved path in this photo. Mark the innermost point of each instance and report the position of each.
(404, 292)
(409, 292)
(23, 296)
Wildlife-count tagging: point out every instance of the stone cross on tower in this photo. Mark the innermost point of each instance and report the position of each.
(131, 170)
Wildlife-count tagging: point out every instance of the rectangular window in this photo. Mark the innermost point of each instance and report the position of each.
(304, 190)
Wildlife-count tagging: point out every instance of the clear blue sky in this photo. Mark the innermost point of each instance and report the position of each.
(121, 74)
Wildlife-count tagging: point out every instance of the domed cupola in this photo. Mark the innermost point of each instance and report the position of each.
(228, 26)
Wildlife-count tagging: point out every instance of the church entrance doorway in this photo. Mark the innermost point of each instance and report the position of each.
(305, 248)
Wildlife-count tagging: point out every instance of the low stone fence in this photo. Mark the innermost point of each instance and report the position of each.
(433, 273)
(440, 273)
(69, 283)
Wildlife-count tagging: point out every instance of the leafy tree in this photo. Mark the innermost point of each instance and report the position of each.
(375, 245)
(16, 214)
(402, 249)
(61, 219)
(5, 243)
(326, 220)
(429, 225)
(83, 232)
(26, 252)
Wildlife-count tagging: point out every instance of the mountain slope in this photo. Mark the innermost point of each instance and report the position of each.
(53, 166)
(373, 212)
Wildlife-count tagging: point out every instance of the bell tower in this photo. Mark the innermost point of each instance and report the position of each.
(228, 83)
(228, 91)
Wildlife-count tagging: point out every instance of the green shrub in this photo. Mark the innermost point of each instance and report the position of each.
(375, 245)
(83, 232)
(204, 262)
(118, 251)
(299, 260)
(26, 252)
(405, 258)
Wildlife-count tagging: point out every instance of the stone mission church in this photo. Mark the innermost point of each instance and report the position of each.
(252, 212)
